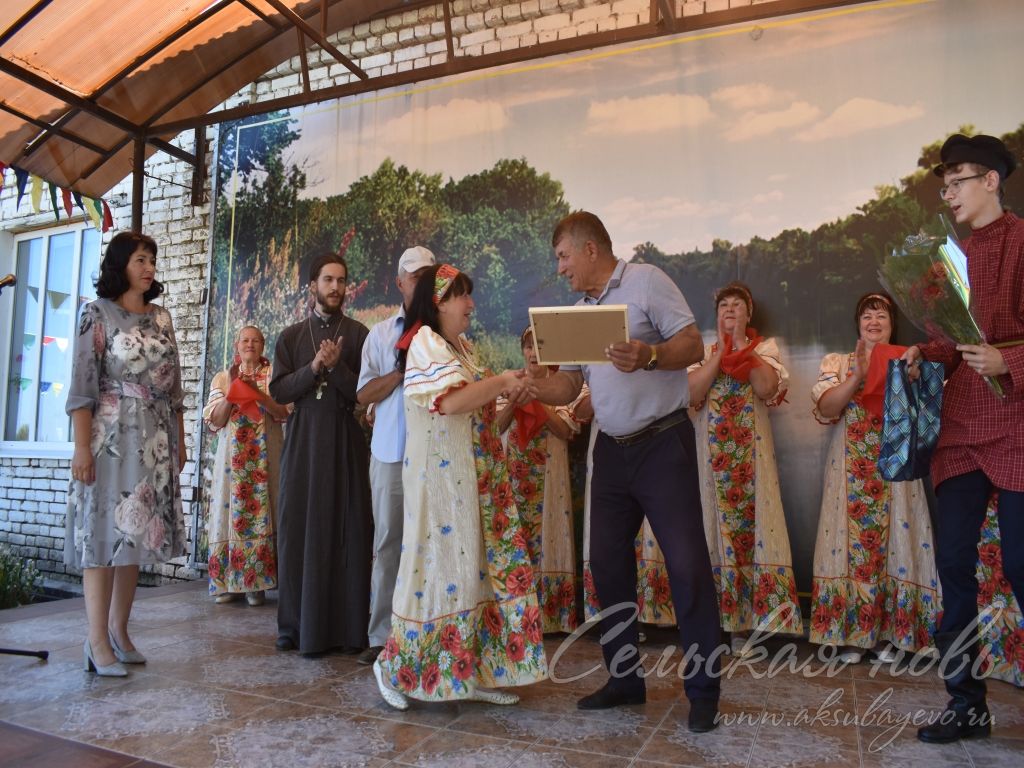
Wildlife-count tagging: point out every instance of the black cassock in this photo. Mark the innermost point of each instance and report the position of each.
(325, 536)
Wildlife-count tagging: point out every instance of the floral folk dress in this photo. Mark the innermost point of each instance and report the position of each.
(1001, 626)
(743, 516)
(540, 484)
(125, 370)
(465, 611)
(874, 560)
(241, 528)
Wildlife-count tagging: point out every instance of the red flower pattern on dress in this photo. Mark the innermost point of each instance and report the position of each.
(1002, 635)
(515, 648)
(407, 679)
(247, 562)
(519, 581)
(868, 605)
(451, 639)
(431, 677)
(749, 592)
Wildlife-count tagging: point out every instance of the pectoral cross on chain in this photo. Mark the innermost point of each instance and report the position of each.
(320, 388)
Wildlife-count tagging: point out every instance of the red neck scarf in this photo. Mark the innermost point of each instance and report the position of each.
(872, 396)
(246, 398)
(530, 419)
(740, 362)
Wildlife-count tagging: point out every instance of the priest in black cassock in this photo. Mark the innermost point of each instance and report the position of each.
(325, 537)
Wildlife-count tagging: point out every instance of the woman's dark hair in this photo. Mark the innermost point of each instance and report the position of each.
(740, 291)
(422, 308)
(876, 300)
(113, 282)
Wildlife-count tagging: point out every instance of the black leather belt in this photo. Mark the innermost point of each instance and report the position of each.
(656, 426)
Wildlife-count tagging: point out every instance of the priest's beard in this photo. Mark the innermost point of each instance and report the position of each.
(327, 304)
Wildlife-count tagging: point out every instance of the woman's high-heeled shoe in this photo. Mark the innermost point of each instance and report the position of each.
(110, 670)
(125, 657)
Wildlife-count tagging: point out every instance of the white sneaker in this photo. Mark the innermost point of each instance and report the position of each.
(851, 656)
(491, 696)
(740, 647)
(887, 654)
(393, 698)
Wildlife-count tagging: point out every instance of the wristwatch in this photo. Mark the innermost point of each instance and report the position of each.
(653, 362)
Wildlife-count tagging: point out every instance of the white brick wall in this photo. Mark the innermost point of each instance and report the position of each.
(33, 490)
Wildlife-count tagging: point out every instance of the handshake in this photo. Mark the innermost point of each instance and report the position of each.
(519, 386)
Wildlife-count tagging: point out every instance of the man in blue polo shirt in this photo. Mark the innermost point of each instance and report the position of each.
(644, 463)
(380, 384)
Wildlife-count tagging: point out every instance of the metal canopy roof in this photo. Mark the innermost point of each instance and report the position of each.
(89, 88)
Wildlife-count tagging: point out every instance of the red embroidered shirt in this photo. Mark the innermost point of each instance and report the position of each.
(979, 430)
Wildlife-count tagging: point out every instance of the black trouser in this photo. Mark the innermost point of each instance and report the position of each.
(962, 503)
(656, 478)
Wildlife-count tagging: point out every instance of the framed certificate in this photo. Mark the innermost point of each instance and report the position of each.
(577, 335)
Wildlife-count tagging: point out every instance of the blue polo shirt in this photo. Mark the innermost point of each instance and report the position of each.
(627, 402)
(388, 441)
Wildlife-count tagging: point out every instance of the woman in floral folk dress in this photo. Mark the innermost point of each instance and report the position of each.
(731, 390)
(125, 401)
(875, 584)
(536, 445)
(242, 526)
(465, 615)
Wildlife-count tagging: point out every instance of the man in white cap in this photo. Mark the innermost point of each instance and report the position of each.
(380, 385)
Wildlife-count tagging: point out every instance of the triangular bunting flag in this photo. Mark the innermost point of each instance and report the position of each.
(37, 193)
(22, 179)
(53, 201)
(108, 219)
(90, 208)
(66, 193)
(78, 200)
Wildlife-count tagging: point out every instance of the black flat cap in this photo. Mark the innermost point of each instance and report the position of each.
(983, 150)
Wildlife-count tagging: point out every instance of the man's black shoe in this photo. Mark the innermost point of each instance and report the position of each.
(367, 657)
(954, 724)
(608, 697)
(285, 643)
(703, 715)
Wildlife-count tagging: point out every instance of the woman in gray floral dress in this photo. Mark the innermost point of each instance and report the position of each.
(125, 401)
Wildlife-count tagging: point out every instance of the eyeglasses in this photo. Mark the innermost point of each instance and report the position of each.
(955, 184)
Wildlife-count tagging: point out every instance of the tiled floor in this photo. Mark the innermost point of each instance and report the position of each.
(216, 693)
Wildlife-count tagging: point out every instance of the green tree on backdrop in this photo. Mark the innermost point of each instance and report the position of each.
(496, 226)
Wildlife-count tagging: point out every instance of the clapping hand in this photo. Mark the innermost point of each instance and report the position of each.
(327, 356)
(860, 360)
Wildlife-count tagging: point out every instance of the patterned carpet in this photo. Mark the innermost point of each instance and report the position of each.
(216, 693)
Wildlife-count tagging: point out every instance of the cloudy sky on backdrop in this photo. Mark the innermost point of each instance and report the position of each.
(730, 133)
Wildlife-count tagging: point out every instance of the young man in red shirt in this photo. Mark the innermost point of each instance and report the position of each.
(981, 443)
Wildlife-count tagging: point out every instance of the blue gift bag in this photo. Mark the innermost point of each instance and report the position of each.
(910, 428)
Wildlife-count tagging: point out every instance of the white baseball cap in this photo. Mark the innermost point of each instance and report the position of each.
(415, 258)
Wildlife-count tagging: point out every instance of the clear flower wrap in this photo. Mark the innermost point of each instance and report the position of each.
(928, 279)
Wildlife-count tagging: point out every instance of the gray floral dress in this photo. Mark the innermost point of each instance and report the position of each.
(125, 370)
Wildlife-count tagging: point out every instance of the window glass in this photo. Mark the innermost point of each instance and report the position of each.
(23, 381)
(55, 275)
(59, 319)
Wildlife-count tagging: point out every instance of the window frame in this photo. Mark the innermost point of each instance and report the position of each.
(8, 264)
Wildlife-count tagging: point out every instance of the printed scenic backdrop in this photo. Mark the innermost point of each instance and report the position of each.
(791, 154)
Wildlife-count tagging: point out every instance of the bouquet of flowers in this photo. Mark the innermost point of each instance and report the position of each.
(928, 279)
